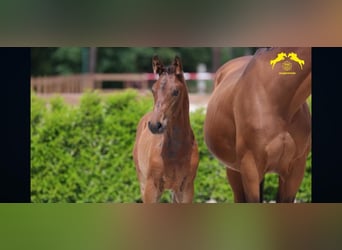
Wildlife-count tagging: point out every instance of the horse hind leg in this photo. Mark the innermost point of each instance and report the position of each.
(289, 185)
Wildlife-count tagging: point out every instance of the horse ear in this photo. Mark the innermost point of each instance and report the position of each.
(157, 65)
(178, 65)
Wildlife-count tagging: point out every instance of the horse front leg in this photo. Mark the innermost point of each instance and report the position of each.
(235, 181)
(184, 194)
(151, 191)
(289, 185)
(250, 177)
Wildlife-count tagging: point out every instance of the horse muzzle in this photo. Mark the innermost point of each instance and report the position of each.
(156, 128)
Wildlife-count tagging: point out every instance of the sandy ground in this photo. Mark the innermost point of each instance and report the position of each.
(196, 100)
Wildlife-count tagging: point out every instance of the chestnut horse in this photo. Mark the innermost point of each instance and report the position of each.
(165, 151)
(258, 121)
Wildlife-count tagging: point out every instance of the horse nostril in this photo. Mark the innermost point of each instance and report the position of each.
(158, 125)
(155, 128)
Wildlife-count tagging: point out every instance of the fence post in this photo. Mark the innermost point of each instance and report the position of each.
(87, 82)
(201, 86)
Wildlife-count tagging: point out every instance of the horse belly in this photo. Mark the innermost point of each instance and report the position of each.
(220, 134)
(223, 148)
(221, 143)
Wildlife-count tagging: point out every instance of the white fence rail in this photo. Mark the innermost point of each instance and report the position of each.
(79, 83)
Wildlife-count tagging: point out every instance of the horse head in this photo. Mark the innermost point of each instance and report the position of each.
(170, 94)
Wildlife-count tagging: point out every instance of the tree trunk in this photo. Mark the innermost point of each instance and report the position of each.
(92, 59)
(216, 58)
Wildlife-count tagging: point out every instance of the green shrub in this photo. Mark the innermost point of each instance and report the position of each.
(83, 153)
(37, 111)
(211, 182)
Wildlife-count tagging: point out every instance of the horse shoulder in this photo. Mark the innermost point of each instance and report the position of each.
(143, 141)
(300, 129)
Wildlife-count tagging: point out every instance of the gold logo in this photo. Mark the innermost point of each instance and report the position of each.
(287, 65)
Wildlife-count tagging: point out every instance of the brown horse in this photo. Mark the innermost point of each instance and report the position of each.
(258, 122)
(165, 151)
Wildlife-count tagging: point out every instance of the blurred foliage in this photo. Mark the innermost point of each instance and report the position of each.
(72, 60)
(56, 61)
(83, 153)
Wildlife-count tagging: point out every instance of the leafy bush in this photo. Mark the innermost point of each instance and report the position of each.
(84, 153)
(211, 182)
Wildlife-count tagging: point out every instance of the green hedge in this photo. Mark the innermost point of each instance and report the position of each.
(83, 153)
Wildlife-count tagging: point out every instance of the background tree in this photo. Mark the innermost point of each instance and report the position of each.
(75, 60)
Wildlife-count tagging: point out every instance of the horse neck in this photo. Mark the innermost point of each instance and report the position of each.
(286, 92)
(179, 128)
(288, 96)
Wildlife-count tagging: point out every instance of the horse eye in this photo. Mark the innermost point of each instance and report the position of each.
(175, 92)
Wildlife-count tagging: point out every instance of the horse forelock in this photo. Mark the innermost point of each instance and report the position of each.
(167, 72)
(168, 69)
(171, 69)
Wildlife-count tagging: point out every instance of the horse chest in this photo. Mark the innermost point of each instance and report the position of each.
(173, 175)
